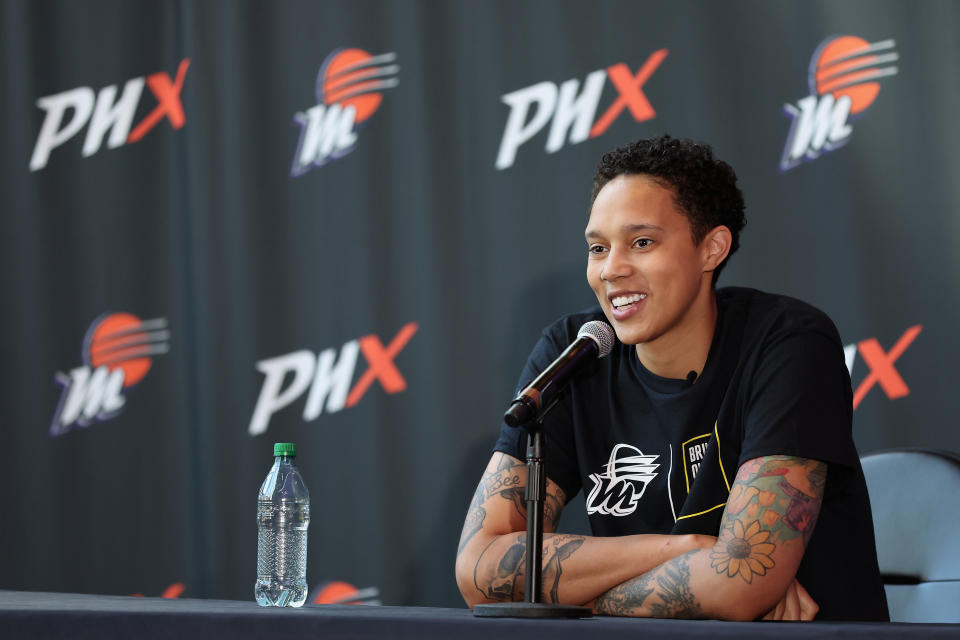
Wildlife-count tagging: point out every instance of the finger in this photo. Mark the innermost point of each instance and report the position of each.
(791, 609)
(781, 607)
(808, 606)
(776, 613)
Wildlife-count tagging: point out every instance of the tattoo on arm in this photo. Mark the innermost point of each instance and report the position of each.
(767, 509)
(516, 496)
(502, 578)
(775, 500)
(561, 547)
(669, 584)
(676, 599)
(552, 506)
(506, 480)
(473, 523)
(818, 478)
(625, 598)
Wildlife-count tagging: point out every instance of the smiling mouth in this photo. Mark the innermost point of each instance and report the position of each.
(625, 302)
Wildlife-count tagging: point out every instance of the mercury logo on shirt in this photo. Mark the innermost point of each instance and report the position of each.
(617, 491)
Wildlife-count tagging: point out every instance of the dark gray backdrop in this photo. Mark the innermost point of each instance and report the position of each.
(204, 227)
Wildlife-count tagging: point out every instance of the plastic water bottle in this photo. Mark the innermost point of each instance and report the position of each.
(283, 515)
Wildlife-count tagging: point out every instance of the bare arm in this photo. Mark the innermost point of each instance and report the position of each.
(492, 553)
(767, 523)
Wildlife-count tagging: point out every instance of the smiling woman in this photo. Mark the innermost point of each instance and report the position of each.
(652, 279)
(735, 404)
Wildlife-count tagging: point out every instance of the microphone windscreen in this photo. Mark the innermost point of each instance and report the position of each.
(601, 333)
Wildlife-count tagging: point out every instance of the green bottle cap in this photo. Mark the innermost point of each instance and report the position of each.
(285, 449)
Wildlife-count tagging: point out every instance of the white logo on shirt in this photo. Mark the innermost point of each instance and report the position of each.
(619, 488)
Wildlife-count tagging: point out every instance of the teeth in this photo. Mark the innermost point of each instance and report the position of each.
(622, 301)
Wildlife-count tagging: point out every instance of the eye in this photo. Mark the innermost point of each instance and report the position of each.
(596, 249)
(642, 243)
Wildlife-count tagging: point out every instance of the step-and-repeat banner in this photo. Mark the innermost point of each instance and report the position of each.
(343, 224)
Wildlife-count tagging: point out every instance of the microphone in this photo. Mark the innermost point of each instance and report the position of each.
(594, 340)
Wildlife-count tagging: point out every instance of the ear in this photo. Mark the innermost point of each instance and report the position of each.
(715, 247)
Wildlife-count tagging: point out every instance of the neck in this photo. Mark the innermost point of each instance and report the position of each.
(685, 347)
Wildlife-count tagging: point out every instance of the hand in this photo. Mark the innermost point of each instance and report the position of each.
(796, 604)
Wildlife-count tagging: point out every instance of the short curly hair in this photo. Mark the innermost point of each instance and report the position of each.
(704, 187)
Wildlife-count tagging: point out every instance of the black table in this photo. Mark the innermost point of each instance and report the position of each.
(60, 615)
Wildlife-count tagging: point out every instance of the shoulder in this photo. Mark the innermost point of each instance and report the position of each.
(773, 317)
(794, 392)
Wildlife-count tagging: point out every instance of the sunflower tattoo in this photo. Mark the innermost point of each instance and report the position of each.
(747, 552)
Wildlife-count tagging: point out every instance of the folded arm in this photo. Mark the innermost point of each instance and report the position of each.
(491, 557)
(769, 517)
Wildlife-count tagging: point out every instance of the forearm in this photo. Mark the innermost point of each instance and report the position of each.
(576, 568)
(768, 519)
(688, 586)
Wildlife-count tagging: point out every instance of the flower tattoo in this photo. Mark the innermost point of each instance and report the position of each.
(747, 552)
(739, 497)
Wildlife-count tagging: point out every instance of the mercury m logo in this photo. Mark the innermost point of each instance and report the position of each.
(118, 353)
(844, 79)
(348, 89)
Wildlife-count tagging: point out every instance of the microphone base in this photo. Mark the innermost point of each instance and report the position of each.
(530, 610)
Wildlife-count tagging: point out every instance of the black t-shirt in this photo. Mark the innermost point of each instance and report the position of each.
(657, 455)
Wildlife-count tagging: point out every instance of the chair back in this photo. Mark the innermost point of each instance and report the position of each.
(915, 498)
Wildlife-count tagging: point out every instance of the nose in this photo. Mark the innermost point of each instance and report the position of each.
(615, 266)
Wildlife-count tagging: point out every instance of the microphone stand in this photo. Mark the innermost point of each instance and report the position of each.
(533, 606)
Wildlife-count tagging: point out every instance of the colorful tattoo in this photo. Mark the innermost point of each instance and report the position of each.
(774, 500)
(747, 552)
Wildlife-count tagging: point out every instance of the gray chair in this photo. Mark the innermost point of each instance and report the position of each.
(915, 498)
